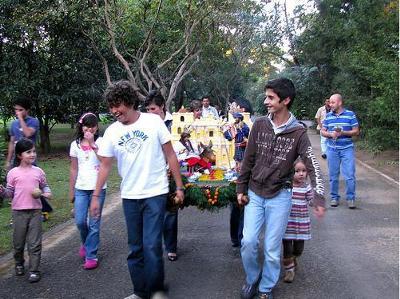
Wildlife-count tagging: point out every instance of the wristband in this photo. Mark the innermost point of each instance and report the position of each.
(94, 195)
(180, 188)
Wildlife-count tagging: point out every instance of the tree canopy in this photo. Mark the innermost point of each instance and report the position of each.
(350, 47)
(46, 56)
(63, 54)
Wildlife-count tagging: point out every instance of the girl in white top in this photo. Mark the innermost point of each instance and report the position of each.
(83, 175)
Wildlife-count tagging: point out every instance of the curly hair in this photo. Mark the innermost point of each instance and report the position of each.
(121, 92)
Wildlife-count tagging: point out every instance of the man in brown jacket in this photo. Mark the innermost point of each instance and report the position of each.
(265, 185)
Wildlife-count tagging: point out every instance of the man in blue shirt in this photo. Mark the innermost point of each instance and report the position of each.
(339, 126)
(24, 126)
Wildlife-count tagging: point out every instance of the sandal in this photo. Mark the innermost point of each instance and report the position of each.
(172, 257)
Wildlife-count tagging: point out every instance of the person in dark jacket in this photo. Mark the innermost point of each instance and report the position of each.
(155, 103)
(264, 185)
(239, 132)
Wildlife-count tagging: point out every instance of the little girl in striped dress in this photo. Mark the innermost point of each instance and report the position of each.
(298, 228)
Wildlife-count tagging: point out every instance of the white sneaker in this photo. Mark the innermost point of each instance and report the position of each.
(133, 296)
(351, 204)
(334, 203)
(159, 295)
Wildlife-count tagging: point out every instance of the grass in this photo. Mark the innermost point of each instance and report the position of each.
(56, 167)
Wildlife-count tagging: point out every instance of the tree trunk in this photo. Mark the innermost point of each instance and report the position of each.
(44, 140)
(44, 136)
(178, 101)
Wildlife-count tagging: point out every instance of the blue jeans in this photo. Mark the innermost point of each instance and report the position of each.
(342, 159)
(171, 231)
(89, 229)
(144, 221)
(273, 213)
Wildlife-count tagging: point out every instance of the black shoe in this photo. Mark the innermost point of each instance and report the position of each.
(248, 291)
(34, 277)
(235, 244)
(323, 156)
(19, 270)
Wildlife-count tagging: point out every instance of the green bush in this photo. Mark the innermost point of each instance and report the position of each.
(3, 152)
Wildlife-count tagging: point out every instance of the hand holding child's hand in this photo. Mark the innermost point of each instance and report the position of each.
(242, 199)
(319, 212)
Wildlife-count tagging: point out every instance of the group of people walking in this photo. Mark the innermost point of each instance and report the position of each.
(272, 187)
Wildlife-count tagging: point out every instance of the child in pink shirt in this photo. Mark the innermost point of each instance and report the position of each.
(25, 184)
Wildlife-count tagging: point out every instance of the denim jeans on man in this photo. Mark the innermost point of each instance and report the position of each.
(89, 229)
(342, 159)
(171, 231)
(144, 220)
(273, 213)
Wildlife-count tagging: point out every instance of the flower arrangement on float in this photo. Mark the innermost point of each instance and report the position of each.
(210, 192)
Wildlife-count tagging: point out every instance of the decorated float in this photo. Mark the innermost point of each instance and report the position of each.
(208, 167)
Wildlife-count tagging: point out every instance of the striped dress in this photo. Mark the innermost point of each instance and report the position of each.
(298, 227)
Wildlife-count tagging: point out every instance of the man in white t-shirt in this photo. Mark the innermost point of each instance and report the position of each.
(319, 118)
(141, 144)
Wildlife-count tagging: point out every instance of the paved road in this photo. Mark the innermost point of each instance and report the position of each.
(353, 254)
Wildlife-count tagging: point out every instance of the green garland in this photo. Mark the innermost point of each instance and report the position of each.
(205, 195)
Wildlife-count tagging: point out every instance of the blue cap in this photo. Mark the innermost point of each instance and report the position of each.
(237, 115)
